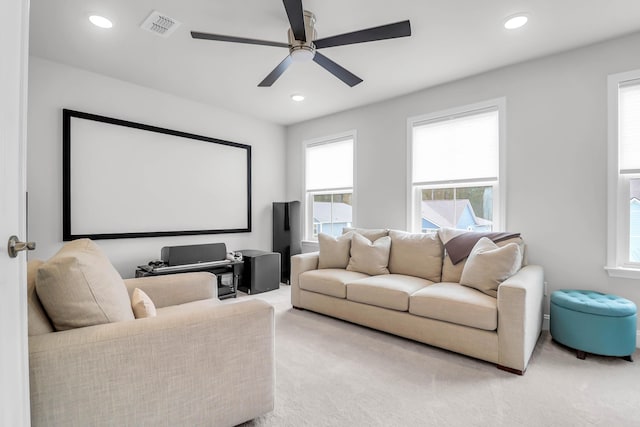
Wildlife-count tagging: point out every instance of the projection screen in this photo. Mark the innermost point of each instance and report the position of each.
(123, 179)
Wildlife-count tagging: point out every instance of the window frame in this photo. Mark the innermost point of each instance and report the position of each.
(618, 187)
(414, 216)
(309, 194)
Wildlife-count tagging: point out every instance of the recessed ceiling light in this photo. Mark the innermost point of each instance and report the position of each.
(515, 21)
(100, 21)
(297, 97)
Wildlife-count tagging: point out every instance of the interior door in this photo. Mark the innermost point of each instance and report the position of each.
(14, 364)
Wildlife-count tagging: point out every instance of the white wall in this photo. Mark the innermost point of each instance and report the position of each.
(53, 86)
(556, 117)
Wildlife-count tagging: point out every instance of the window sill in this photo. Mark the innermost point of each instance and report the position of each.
(623, 272)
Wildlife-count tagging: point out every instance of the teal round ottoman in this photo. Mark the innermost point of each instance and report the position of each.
(593, 322)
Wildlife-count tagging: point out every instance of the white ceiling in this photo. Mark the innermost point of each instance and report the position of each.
(450, 39)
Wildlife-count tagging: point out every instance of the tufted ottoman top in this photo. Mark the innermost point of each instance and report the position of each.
(593, 302)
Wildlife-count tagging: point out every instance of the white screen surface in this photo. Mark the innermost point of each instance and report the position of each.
(127, 180)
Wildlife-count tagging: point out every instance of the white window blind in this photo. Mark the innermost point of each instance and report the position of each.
(457, 148)
(629, 127)
(329, 166)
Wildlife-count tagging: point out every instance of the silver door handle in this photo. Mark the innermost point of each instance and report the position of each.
(15, 245)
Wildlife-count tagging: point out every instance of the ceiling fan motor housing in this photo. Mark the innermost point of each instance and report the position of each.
(304, 50)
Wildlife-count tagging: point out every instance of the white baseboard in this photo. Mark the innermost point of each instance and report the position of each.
(545, 327)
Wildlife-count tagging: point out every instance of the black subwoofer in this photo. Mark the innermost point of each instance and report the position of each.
(261, 271)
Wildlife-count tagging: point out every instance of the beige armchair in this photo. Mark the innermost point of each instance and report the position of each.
(198, 363)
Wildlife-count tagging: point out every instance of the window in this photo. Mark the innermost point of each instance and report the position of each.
(329, 185)
(623, 251)
(455, 169)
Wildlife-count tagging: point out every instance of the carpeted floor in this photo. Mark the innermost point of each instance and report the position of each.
(333, 373)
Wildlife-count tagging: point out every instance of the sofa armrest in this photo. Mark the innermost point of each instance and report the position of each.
(210, 364)
(174, 289)
(299, 264)
(520, 305)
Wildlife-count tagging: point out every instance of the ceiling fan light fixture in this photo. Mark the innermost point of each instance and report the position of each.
(515, 21)
(302, 53)
(100, 21)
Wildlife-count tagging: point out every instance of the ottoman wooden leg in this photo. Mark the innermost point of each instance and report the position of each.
(581, 354)
(628, 358)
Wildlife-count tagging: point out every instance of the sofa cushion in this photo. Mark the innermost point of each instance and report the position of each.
(79, 287)
(387, 291)
(372, 234)
(334, 251)
(454, 303)
(488, 265)
(330, 281)
(416, 254)
(452, 272)
(38, 322)
(142, 305)
(369, 257)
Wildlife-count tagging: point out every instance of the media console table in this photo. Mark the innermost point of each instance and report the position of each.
(227, 272)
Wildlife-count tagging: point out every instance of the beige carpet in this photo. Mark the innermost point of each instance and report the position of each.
(333, 373)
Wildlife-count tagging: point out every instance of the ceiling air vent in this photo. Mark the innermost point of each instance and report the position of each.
(160, 24)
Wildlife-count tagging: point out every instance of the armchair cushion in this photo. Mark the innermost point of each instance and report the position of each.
(39, 322)
(79, 287)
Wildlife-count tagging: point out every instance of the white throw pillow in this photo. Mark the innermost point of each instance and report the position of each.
(488, 265)
(334, 251)
(79, 287)
(369, 257)
(142, 305)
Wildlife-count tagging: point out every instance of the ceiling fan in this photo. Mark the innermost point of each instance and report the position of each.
(303, 44)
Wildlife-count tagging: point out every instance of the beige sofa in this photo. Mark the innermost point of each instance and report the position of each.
(199, 362)
(420, 296)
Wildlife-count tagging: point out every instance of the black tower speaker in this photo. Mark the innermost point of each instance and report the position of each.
(286, 235)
